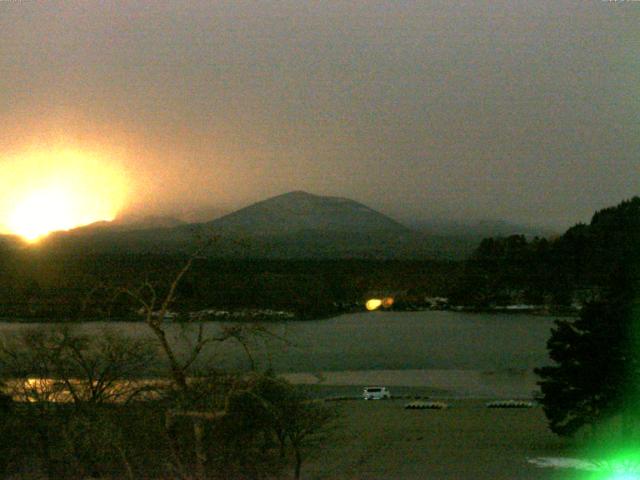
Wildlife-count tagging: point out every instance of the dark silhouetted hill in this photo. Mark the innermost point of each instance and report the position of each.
(303, 212)
(293, 225)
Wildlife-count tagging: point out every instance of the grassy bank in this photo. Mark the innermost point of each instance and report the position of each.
(381, 439)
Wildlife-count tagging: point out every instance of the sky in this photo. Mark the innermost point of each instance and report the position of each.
(526, 111)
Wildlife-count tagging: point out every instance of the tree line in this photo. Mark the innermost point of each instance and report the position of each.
(593, 377)
(35, 285)
(574, 267)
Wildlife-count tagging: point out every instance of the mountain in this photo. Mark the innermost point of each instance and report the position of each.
(292, 225)
(299, 211)
(147, 222)
(129, 223)
(303, 225)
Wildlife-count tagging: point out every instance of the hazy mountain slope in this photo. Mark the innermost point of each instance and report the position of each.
(478, 229)
(292, 225)
(300, 211)
(127, 224)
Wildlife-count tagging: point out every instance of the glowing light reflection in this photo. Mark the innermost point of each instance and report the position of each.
(373, 304)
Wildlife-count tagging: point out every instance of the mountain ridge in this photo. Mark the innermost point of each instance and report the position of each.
(292, 225)
(302, 211)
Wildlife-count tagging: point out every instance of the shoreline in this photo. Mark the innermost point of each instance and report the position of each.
(498, 311)
(435, 383)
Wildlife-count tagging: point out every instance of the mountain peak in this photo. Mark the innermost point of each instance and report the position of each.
(298, 211)
(296, 193)
(302, 195)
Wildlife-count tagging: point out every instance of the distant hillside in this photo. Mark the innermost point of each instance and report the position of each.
(299, 211)
(149, 221)
(127, 224)
(479, 229)
(292, 225)
(289, 226)
(574, 267)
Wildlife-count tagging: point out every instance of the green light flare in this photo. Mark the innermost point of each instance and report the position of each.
(624, 476)
(625, 465)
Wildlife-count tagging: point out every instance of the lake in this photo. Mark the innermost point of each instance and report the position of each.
(429, 340)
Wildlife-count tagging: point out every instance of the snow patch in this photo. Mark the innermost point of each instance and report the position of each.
(621, 469)
(559, 462)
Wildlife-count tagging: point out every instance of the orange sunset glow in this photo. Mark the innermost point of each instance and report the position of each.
(56, 190)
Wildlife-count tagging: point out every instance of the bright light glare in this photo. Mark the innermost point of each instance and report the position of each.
(49, 191)
(373, 304)
(624, 476)
(623, 467)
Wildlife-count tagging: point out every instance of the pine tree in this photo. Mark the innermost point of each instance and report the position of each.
(596, 371)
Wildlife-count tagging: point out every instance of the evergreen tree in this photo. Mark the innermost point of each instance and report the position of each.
(597, 364)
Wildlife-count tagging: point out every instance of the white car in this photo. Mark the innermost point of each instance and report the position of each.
(376, 393)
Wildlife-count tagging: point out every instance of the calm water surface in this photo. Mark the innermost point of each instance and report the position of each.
(370, 341)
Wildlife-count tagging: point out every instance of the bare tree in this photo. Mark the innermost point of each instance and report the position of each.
(59, 365)
(295, 420)
(155, 308)
(47, 368)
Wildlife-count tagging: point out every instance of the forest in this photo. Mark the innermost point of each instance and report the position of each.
(556, 272)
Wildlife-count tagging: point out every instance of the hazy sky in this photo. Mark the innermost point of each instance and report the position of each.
(522, 110)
